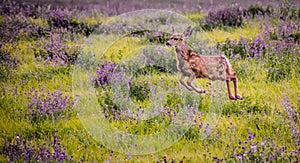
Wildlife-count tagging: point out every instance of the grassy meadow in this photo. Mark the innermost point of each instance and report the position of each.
(43, 57)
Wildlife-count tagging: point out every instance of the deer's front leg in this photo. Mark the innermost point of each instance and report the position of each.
(189, 82)
(183, 83)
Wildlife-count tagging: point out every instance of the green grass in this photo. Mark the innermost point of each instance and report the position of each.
(259, 95)
(249, 30)
(94, 18)
(196, 16)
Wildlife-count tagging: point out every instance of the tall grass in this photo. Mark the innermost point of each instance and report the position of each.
(246, 130)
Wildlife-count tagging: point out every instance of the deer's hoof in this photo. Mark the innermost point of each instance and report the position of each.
(201, 91)
(231, 97)
(239, 97)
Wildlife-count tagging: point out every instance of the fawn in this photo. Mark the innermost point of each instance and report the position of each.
(193, 65)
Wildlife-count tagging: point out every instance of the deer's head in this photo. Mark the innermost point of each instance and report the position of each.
(177, 38)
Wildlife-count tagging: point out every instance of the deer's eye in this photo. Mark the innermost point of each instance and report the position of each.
(175, 39)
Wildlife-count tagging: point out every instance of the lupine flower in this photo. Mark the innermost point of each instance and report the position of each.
(232, 16)
(270, 42)
(44, 104)
(104, 73)
(7, 62)
(22, 150)
(55, 50)
(9, 8)
(293, 117)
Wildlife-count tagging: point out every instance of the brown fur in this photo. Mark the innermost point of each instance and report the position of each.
(193, 65)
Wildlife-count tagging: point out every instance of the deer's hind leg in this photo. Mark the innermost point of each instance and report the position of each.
(235, 82)
(231, 96)
(231, 75)
(234, 78)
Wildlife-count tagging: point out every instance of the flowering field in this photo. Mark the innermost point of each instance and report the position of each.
(73, 74)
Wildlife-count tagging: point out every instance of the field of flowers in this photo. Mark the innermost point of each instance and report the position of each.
(58, 59)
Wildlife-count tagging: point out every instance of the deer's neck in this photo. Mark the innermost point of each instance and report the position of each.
(182, 50)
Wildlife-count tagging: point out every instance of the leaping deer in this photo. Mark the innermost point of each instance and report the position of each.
(193, 65)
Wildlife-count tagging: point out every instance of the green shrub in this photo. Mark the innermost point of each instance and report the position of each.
(279, 67)
(7, 63)
(255, 10)
(139, 90)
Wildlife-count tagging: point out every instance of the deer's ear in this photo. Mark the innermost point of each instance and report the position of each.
(188, 32)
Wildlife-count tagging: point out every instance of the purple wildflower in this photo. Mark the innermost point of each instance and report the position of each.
(23, 150)
(104, 73)
(47, 104)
